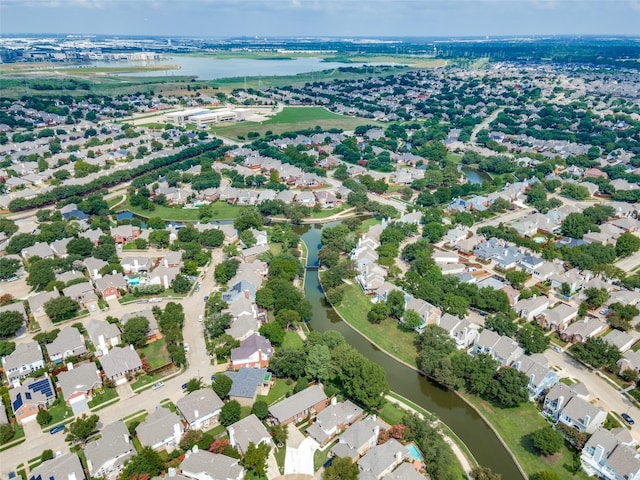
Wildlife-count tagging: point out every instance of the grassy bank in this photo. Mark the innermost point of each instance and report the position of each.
(513, 425)
(387, 335)
(221, 211)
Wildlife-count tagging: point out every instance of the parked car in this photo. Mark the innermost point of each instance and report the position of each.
(157, 385)
(206, 297)
(186, 347)
(627, 418)
(200, 318)
(556, 348)
(57, 429)
(604, 311)
(184, 386)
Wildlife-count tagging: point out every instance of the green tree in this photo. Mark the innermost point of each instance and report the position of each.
(395, 303)
(255, 458)
(596, 296)
(364, 381)
(230, 413)
(61, 308)
(516, 278)
(194, 384)
(318, 364)
(10, 322)
(146, 462)
(44, 417)
(248, 238)
(159, 238)
(9, 267)
(379, 311)
(260, 409)
(576, 225)
(211, 238)
(6, 433)
(547, 440)
(411, 320)
(509, 388)
(46, 455)
(181, 284)
(501, 324)
(222, 385)
(532, 338)
(484, 473)
(627, 244)
(273, 332)
(6, 347)
(545, 475)
(342, 468)
(433, 231)
(135, 331)
(288, 362)
(82, 428)
(80, 246)
(40, 274)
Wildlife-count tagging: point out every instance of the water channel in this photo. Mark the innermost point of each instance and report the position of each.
(462, 419)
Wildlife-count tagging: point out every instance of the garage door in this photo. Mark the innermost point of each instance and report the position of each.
(80, 406)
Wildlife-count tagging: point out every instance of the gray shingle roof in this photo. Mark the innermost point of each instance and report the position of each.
(297, 403)
(81, 379)
(198, 404)
(158, 426)
(211, 465)
(381, 457)
(247, 430)
(246, 381)
(62, 467)
(119, 361)
(114, 444)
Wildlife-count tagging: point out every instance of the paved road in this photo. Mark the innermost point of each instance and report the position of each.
(606, 395)
(484, 124)
(506, 219)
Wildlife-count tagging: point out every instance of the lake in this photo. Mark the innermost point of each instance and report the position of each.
(210, 68)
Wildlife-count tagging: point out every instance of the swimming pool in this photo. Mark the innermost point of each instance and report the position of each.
(414, 452)
(539, 239)
(133, 281)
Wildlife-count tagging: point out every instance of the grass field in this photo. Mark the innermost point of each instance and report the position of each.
(277, 392)
(155, 353)
(410, 60)
(291, 119)
(387, 335)
(292, 340)
(105, 396)
(221, 211)
(514, 426)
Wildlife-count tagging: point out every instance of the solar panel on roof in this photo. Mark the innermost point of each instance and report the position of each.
(43, 385)
(17, 403)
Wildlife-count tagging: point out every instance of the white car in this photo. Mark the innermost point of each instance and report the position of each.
(157, 385)
(186, 347)
(200, 318)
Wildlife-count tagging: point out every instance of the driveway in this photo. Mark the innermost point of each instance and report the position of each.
(300, 460)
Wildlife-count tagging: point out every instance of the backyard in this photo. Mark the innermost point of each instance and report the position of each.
(155, 353)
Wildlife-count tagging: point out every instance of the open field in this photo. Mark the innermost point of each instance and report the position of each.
(410, 60)
(222, 211)
(291, 119)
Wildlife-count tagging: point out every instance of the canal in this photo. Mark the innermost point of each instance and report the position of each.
(462, 419)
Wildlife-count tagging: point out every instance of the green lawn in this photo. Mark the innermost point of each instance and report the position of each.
(291, 119)
(326, 212)
(514, 425)
(292, 340)
(221, 211)
(367, 224)
(59, 411)
(321, 456)
(277, 392)
(392, 414)
(105, 396)
(280, 453)
(113, 201)
(387, 335)
(155, 353)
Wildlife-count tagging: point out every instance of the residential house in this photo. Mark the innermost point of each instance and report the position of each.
(621, 340)
(120, 362)
(111, 285)
(463, 332)
(59, 247)
(380, 295)
(172, 260)
(326, 199)
(406, 471)
(94, 265)
(333, 420)
(163, 276)
(103, 335)
(244, 321)
(502, 349)
(124, 234)
(66, 277)
(413, 217)
(28, 399)
(456, 234)
(36, 303)
(253, 352)
(612, 455)
(93, 235)
(78, 385)
(445, 257)
(570, 406)
(25, 359)
(203, 465)
(68, 343)
(358, 438)
(230, 233)
(107, 455)
(64, 467)
(200, 409)
(582, 330)
(248, 383)
(531, 307)
(558, 317)
(541, 377)
(630, 360)
(82, 293)
(140, 265)
(574, 278)
(241, 288)
(248, 430)
(299, 406)
(427, 312)
(40, 249)
(371, 278)
(251, 253)
(545, 270)
(307, 199)
(383, 459)
(161, 430)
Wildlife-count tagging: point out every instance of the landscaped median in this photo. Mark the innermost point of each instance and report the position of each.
(512, 425)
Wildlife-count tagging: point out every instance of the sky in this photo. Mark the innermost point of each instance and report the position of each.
(336, 18)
